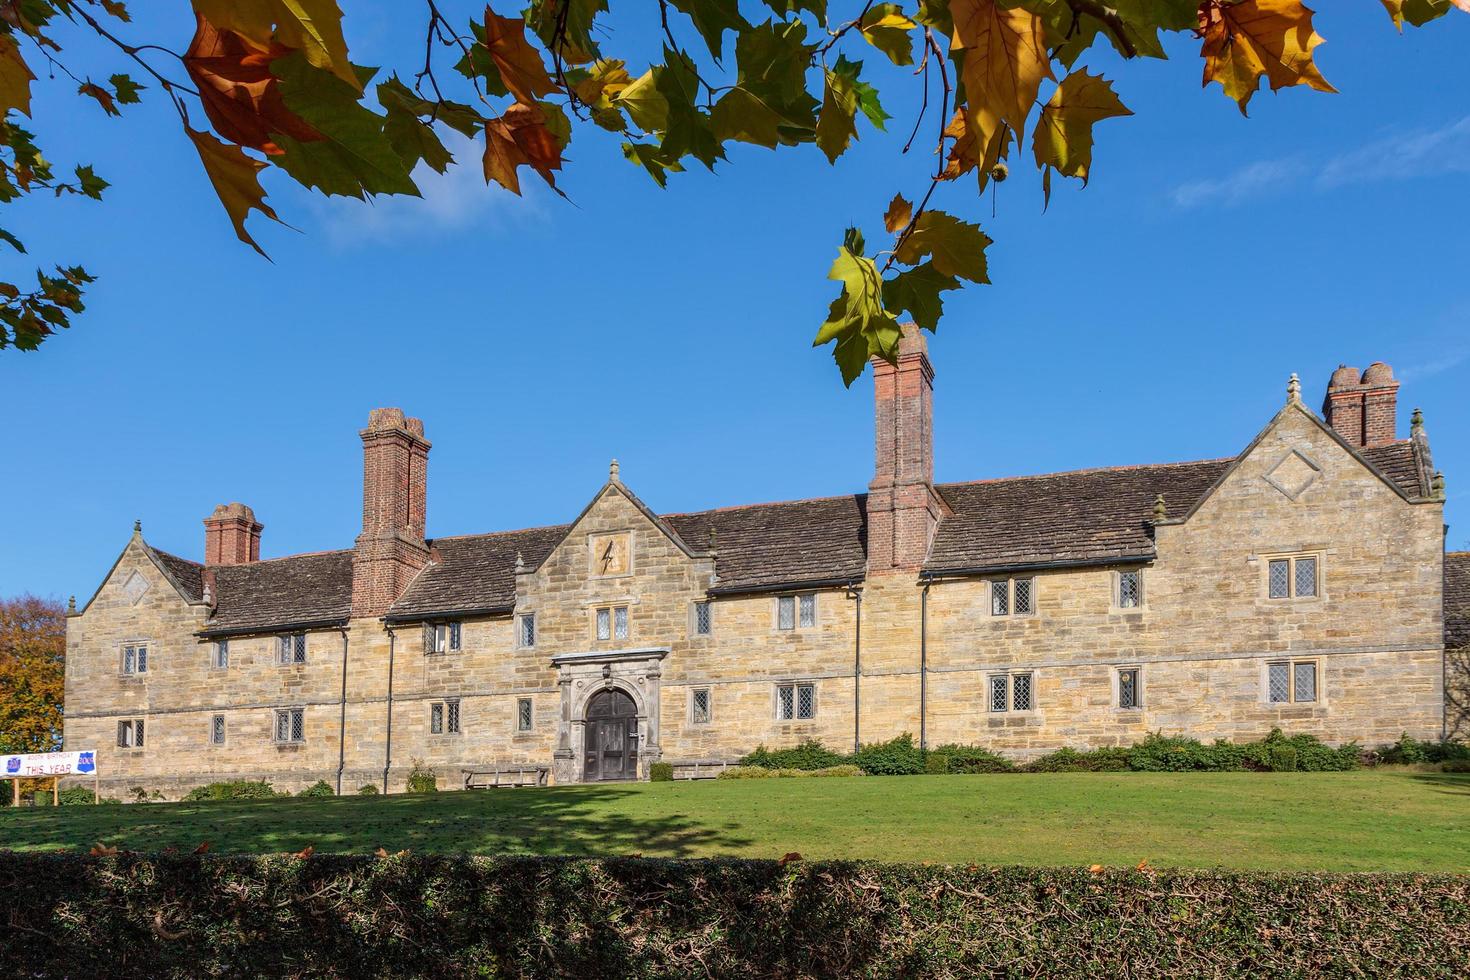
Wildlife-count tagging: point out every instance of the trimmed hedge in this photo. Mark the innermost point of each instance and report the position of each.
(760, 772)
(239, 789)
(455, 916)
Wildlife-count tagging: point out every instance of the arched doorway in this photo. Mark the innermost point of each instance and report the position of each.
(611, 747)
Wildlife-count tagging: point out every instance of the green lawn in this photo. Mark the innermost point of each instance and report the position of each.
(1364, 821)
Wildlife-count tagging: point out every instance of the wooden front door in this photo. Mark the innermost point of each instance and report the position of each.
(611, 750)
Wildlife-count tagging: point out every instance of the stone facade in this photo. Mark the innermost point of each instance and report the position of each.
(1135, 600)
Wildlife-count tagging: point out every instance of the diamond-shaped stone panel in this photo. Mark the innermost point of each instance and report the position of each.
(1293, 475)
(135, 587)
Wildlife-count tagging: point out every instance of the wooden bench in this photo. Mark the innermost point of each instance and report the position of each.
(700, 768)
(506, 777)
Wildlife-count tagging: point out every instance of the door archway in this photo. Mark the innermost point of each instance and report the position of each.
(611, 747)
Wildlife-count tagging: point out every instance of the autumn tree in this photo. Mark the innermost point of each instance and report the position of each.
(32, 673)
(269, 86)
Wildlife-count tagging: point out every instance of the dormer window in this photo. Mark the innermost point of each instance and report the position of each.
(441, 637)
(1012, 597)
(291, 648)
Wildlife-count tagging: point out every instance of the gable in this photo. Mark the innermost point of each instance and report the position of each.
(141, 569)
(617, 519)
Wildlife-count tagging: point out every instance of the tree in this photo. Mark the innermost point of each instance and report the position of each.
(32, 674)
(269, 85)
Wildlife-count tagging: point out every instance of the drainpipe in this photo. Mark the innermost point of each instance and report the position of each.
(342, 719)
(856, 596)
(923, 666)
(388, 739)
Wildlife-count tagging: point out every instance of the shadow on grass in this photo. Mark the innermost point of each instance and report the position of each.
(1455, 784)
(572, 821)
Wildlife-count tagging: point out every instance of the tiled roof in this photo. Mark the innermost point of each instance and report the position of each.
(188, 574)
(1082, 516)
(1088, 515)
(766, 545)
(476, 572)
(1457, 599)
(295, 591)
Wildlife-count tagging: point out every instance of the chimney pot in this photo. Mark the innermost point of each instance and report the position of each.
(391, 548)
(903, 508)
(1363, 408)
(231, 535)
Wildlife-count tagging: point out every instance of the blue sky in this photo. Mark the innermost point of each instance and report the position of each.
(1153, 316)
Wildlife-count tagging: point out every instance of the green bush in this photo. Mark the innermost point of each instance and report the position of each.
(896, 757)
(808, 755)
(422, 779)
(965, 759)
(422, 915)
(79, 795)
(1411, 750)
(239, 789)
(367, 789)
(661, 772)
(760, 772)
(1070, 760)
(1283, 758)
(1448, 765)
(318, 789)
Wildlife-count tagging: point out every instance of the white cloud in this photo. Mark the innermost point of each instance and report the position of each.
(452, 201)
(1407, 156)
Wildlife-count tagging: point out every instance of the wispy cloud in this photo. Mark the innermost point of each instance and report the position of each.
(1406, 156)
(451, 202)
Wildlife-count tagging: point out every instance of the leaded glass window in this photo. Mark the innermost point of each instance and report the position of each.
(1304, 682)
(290, 725)
(1278, 683)
(999, 692)
(221, 653)
(451, 716)
(138, 733)
(806, 701)
(135, 658)
(808, 610)
(1306, 576)
(528, 630)
(1130, 590)
(1130, 691)
(604, 624)
(786, 612)
(1279, 575)
(620, 623)
(703, 622)
(785, 702)
(298, 725)
(130, 734)
(1024, 589)
(291, 649)
(1000, 598)
(454, 636)
(523, 715)
(217, 730)
(699, 706)
(1021, 692)
(436, 718)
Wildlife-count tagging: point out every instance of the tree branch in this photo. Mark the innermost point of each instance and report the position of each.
(1111, 20)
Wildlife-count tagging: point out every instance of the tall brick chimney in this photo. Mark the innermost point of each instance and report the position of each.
(391, 549)
(903, 508)
(231, 536)
(1363, 408)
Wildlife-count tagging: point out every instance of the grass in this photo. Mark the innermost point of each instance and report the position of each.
(1362, 821)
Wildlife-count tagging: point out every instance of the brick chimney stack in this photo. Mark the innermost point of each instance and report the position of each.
(1363, 408)
(231, 536)
(391, 548)
(903, 509)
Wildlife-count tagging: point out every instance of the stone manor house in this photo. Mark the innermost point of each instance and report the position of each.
(1300, 584)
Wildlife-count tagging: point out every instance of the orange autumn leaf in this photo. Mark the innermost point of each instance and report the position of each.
(241, 97)
(791, 857)
(1143, 865)
(1253, 38)
(1005, 61)
(236, 180)
(204, 846)
(100, 849)
(516, 139)
(103, 97)
(898, 214)
(305, 852)
(1096, 869)
(520, 64)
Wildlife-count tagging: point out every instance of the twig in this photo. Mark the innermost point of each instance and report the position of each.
(1110, 18)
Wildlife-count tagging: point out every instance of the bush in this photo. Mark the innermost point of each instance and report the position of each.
(965, 759)
(79, 795)
(897, 757)
(1411, 750)
(760, 772)
(1283, 758)
(240, 789)
(419, 915)
(808, 755)
(1449, 765)
(141, 795)
(367, 789)
(1070, 760)
(661, 772)
(318, 789)
(422, 779)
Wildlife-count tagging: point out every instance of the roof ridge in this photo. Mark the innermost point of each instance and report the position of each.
(1089, 471)
(766, 503)
(170, 554)
(303, 554)
(491, 534)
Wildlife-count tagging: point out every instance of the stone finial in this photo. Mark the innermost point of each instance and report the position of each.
(520, 563)
(71, 606)
(612, 472)
(1437, 487)
(1161, 509)
(137, 527)
(1294, 390)
(712, 540)
(1417, 423)
(208, 595)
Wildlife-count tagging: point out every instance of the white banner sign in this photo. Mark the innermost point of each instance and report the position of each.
(49, 764)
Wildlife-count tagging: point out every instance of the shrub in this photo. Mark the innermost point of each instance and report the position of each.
(1283, 758)
(1449, 765)
(897, 757)
(318, 789)
(367, 789)
(661, 772)
(760, 772)
(422, 779)
(78, 795)
(239, 789)
(965, 759)
(1411, 750)
(141, 795)
(1070, 760)
(808, 755)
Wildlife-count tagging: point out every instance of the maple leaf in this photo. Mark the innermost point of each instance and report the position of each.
(598, 86)
(1421, 12)
(885, 27)
(520, 64)
(646, 105)
(240, 95)
(103, 97)
(116, 9)
(917, 291)
(1246, 40)
(712, 18)
(305, 852)
(15, 78)
(1096, 869)
(519, 138)
(1005, 61)
(898, 214)
(412, 139)
(843, 96)
(742, 116)
(957, 247)
(1142, 865)
(100, 849)
(236, 180)
(791, 857)
(313, 27)
(857, 319)
(1063, 136)
(202, 848)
